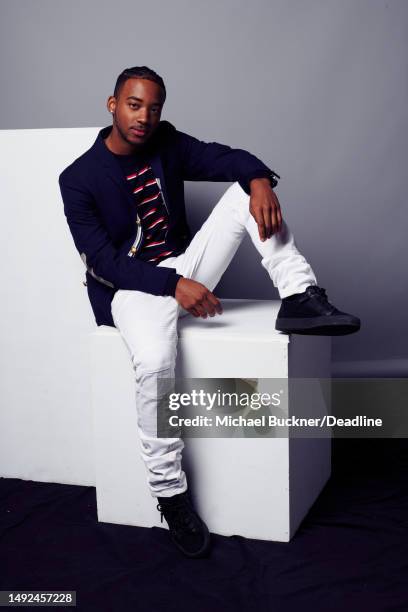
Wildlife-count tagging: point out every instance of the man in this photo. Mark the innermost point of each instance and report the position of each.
(124, 203)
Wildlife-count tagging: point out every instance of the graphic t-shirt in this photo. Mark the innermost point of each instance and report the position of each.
(151, 210)
(150, 205)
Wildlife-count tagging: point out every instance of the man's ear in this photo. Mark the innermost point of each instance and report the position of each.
(111, 104)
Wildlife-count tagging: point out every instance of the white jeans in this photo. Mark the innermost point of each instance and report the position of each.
(148, 323)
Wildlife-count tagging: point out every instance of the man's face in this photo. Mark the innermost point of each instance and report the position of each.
(137, 110)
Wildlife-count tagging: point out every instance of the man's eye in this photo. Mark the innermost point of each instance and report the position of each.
(134, 106)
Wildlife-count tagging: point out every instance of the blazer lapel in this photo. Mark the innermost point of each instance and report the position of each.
(157, 167)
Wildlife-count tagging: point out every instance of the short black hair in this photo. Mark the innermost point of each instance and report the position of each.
(141, 72)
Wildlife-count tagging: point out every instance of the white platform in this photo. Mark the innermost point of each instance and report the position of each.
(255, 487)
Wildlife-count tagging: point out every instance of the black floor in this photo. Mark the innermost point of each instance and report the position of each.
(350, 553)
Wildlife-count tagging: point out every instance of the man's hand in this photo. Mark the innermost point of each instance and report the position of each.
(196, 298)
(265, 208)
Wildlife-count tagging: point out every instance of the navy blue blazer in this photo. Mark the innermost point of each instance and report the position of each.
(101, 212)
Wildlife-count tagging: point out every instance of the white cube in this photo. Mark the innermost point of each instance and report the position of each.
(255, 487)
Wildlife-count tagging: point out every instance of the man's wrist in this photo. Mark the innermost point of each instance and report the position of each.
(259, 182)
(171, 284)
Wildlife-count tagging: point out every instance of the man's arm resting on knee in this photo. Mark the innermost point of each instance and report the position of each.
(213, 161)
(102, 259)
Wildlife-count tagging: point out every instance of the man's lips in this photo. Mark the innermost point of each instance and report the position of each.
(138, 131)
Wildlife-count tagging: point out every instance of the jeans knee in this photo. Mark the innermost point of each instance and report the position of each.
(157, 358)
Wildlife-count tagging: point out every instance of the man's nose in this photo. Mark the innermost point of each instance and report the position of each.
(143, 115)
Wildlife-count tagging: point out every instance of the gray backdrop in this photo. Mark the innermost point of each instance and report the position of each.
(316, 88)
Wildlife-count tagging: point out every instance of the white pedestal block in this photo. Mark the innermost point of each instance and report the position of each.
(255, 487)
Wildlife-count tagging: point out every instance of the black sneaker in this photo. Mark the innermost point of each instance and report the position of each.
(311, 313)
(189, 533)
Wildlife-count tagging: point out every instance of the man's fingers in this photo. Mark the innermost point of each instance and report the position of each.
(274, 220)
(261, 224)
(209, 305)
(279, 216)
(194, 312)
(257, 214)
(201, 310)
(267, 222)
(196, 298)
(212, 305)
(216, 302)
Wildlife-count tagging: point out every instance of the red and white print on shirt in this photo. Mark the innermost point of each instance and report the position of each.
(152, 212)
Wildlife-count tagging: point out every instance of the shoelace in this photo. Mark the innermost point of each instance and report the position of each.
(320, 293)
(179, 514)
(317, 290)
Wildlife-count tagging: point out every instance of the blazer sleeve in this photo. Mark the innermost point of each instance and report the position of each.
(212, 161)
(102, 259)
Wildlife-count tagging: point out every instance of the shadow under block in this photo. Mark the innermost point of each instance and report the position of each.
(254, 487)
